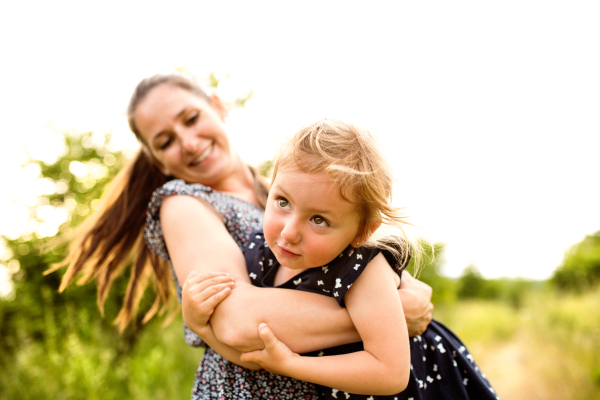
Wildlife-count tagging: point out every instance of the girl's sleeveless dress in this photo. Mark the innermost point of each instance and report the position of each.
(441, 366)
(217, 378)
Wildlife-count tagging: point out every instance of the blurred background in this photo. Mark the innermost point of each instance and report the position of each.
(487, 112)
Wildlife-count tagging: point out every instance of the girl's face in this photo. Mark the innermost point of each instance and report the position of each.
(307, 222)
(186, 135)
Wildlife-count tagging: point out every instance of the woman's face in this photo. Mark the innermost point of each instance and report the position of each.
(186, 135)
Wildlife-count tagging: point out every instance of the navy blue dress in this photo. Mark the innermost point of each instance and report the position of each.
(441, 366)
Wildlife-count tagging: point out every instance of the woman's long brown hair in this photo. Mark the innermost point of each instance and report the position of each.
(113, 237)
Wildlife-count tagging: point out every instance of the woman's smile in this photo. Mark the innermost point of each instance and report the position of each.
(187, 137)
(205, 154)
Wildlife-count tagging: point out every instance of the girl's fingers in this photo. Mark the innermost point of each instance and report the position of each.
(197, 277)
(210, 303)
(197, 287)
(251, 356)
(266, 335)
(211, 291)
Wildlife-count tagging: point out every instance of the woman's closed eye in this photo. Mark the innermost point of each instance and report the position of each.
(165, 144)
(192, 120)
(320, 221)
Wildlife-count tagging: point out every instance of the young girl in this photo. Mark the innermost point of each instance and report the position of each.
(331, 190)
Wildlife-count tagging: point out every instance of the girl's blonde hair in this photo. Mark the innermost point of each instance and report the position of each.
(353, 160)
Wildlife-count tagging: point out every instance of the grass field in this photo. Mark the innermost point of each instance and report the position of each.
(549, 348)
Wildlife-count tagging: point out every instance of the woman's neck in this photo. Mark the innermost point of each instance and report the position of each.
(239, 183)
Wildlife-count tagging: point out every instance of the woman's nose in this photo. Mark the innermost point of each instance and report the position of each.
(189, 142)
(291, 231)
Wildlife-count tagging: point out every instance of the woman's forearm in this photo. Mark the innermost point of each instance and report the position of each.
(303, 321)
(225, 351)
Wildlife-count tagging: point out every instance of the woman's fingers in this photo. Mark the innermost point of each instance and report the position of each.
(416, 302)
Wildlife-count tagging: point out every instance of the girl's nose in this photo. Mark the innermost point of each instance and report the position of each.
(291, 231)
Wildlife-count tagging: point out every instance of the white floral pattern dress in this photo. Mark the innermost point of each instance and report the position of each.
(217, 378)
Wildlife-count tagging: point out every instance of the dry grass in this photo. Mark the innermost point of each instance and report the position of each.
(548, 349)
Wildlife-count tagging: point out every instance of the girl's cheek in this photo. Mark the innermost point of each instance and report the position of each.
(269, 229)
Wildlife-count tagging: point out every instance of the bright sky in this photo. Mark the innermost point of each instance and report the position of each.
(488, 111)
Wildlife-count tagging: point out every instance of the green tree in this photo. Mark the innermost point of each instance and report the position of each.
(58, 345)
(444, 289)
(472, 284)
(580, 268)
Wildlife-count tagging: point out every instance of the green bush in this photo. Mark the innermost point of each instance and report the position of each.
(580, 268)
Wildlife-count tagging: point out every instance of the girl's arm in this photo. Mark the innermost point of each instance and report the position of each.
(197, 240)
(383, 367)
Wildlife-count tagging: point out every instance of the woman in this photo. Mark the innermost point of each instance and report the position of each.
(199, 223)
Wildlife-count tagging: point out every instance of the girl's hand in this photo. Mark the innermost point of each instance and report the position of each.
(274, 357)
(201, 293)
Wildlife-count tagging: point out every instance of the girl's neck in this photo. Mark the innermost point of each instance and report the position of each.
(284, 274)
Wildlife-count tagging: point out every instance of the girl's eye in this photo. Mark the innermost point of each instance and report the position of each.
(319, 221)
(283, 203)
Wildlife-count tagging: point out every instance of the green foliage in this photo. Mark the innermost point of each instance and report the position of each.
(480, 320)
(570, 324)
(88, 362)
(472, 285)
(580, 268)
(550, 345)
(444, 289)
(58, 345)
(78, 177)
(265, 168)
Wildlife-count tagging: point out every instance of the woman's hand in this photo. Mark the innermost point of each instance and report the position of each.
(416, 303)
(274, 356)
(201, 293)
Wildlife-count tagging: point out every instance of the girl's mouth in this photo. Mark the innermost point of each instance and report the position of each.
(286, 253)
(203, 156)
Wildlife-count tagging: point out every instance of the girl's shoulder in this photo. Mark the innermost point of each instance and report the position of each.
(343, 271)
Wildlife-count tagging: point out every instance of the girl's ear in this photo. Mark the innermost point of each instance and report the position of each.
(219, 106)
(361, 238)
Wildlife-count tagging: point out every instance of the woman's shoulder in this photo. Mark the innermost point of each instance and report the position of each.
(176, 187)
